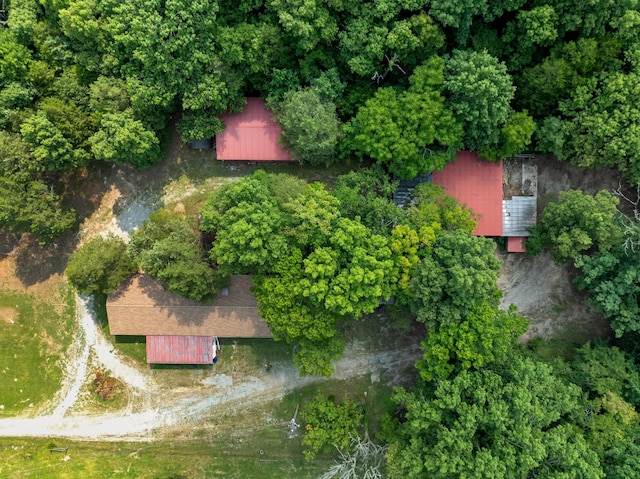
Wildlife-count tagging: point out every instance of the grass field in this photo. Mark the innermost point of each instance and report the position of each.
(34, 334)
(212, 457)
(232, 450)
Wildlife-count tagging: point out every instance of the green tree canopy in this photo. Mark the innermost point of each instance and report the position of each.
(577, 223)
(479, 92)
(410, 132)
(484, 335)
(460, 272)
(123, 139)
(310, 126)
(612, 279)
(515, 420)
(168, 247)
(100, 265)
(330, 424)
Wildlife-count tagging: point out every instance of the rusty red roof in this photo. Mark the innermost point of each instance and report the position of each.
(251, 135)
(142, 307)
(180, 349)
(477, 184)
(515, 244)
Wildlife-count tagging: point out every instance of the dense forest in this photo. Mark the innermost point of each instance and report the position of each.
(401, 85)
(404, 83)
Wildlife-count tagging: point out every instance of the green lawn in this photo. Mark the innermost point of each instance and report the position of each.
(215, 457)
(34, 335)
(227, 449)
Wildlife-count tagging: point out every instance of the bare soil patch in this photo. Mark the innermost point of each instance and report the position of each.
(542, 291)
(8, 315)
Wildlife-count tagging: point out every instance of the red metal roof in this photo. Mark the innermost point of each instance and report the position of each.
(180, 349)
(515, 244)
(251, 135)
(477, 184)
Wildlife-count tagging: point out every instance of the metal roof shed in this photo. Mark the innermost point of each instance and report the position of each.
(477, 184)
(251, 135)
(180, 349)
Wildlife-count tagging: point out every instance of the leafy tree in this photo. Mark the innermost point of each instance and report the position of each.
(410, 132)
(367, 194)
(371, 44)
(479, 92)
(248, 239)
(292, 317)
(600, 368)
(483, 336)
(329, 424)
(351, 273)
(168, 248)
(310, 214)
(246, 190)
(621, 460)
(550, 138)
(516, 420)
(83, 24)
(577, 223)
(613, 282)
(310, 126)
(108, 95)
(308, 24)
(23, 16)
(434, 211)
(460, 272)
(123, 139)
(315, 358)
(27, 203)
(178, 260)
(14, 58)
(289, 314)
(100, 265)
(457, 14)
(515, 136)
(196, 125)
(544, 87)
(69, 119)
(257, 48)
(603, 125)
(49, 147)
(30, 205)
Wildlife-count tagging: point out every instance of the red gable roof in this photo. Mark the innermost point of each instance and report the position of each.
(180, 350)
(251, 135)
(477, 184)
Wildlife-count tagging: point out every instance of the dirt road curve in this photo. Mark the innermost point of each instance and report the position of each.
(154, 409)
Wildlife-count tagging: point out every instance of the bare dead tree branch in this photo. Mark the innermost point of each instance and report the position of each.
(365, 460)
(630, 225)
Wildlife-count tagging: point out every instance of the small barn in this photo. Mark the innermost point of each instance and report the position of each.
(179, 330)
(503, 195)
(251, 135)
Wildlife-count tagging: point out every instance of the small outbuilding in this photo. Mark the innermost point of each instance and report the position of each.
(251, 135)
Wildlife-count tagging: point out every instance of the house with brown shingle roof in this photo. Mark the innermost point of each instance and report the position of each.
(179, 330)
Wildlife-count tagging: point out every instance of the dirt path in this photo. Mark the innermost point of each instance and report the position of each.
(163, 408)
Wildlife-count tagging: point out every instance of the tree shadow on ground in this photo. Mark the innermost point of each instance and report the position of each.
(36, 263)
